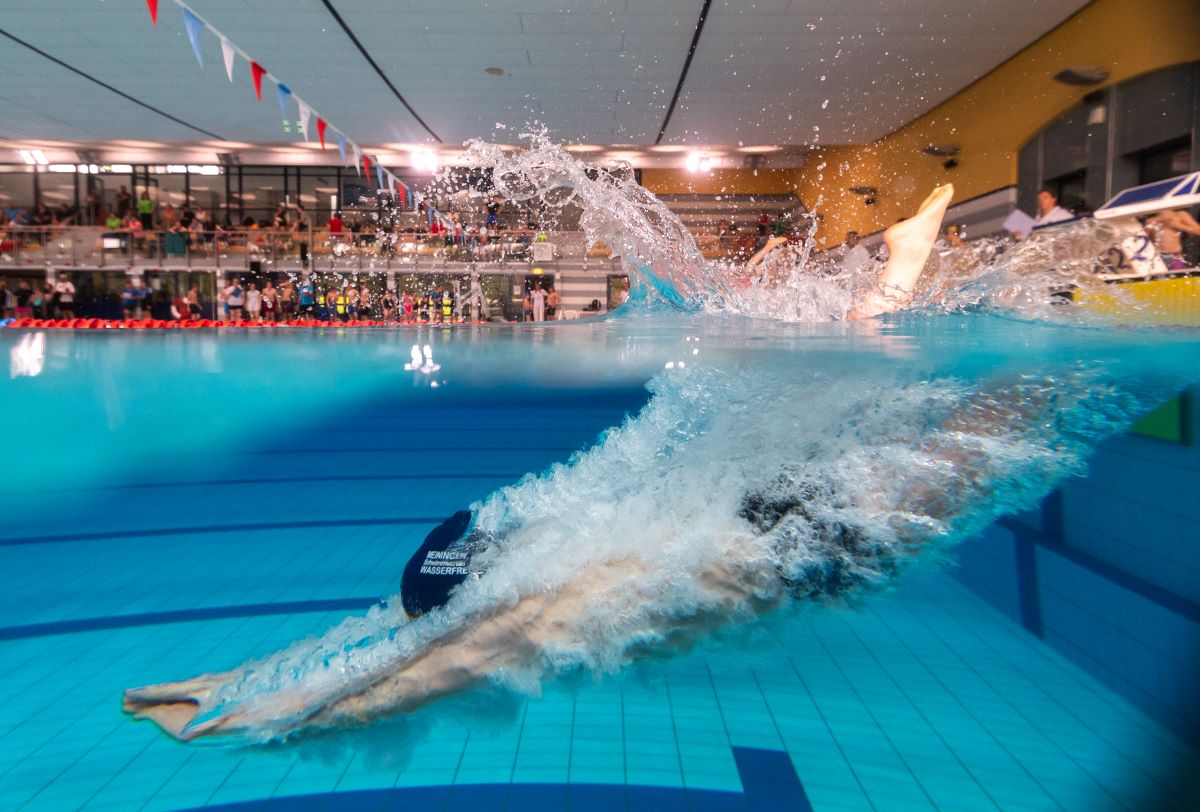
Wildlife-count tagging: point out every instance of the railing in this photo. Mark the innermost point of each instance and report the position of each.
(276, 250)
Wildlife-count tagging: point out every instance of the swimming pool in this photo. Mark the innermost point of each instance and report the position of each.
(187, 502)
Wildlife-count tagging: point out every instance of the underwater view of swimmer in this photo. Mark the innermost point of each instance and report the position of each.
(504, 638)
(863, 478)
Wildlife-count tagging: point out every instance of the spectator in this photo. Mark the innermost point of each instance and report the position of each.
(64, 297)
(8, 301)
(235, 298)
(24, 296)
(308, 301)
(336, 226)
(42, 300)
(124, 202)
(763, 223)
(952, 239)
(270, 302)
(552, 302)
(388, 303)
(538, 299)
(300, 226)
(131, 301)
(193, 302)
(254, 302)
(145, 210)
(1048, 209)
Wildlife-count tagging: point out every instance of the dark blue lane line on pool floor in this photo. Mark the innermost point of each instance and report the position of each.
(769, 782)
(92, 624)
(289, 480)
(217, 528)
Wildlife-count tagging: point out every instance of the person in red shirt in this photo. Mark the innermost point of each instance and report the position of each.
(335, 226)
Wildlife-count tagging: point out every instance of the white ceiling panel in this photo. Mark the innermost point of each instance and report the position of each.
(601, 71)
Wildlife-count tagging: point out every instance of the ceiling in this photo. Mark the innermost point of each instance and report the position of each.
(764, 72)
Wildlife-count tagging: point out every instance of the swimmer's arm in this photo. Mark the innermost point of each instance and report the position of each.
(771, 245)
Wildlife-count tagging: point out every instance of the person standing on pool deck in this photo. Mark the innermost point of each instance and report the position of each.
(538, 297)
(307, 299)
(254, 300)
(235, 297)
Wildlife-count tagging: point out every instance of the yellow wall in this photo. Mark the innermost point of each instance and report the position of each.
(721, 181)
(990, 120)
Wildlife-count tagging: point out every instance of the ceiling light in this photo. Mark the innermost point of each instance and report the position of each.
(40, 157)
(759, 149)
(33, 157)
(62, 167)
(583, 148)
(424, 160)
(177, 169)
(697, 162)
(120, 168)
(205, 169)
(668, 148)
(26, 156)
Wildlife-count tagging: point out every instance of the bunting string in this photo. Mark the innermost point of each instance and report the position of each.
(195, 26)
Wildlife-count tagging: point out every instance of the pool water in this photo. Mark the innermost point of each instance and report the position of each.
(177, 504)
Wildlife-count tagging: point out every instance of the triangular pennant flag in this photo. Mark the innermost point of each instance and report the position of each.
(342, 147)
(283, 93)
(321, 132)
(403, 194)
(379, 172)
(153, 6)
(366, 162)
(357, 159)
(305, 115)
(227, 52)
(258, 72)
(391, 179)
(194, 27)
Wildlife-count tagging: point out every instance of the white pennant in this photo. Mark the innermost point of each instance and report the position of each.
(391, 179)
(227, 52)
(305, 115)
(357, 159)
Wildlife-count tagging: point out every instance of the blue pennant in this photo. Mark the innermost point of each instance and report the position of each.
(194, 26)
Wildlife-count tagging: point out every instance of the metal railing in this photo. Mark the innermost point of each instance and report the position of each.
(276, 250)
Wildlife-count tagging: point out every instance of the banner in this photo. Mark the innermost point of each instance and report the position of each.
(258, 71)
(321, 132)
(194, 27)
(227, 52)
(305, 115)
(379, 172)
(283, 93)
(153, 6)
(357, 159)
(342, 147)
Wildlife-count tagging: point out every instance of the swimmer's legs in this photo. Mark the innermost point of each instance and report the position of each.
(909, 243)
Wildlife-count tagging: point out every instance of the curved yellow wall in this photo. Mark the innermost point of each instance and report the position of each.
(990, 120)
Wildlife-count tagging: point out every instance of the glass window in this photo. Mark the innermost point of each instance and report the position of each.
(262, 192)
(16, 189)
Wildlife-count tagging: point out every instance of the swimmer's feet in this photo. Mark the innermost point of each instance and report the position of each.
(174, 706)
(909, 243)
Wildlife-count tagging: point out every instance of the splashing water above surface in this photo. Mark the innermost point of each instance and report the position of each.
(775, 464)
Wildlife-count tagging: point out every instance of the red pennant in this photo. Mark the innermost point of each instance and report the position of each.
(367, 170)
(321, 131)
(259, 71)
(153, 4)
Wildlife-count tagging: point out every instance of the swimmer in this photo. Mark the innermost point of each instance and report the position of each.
(909, 243)
(1167, 228)
(462, 623)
